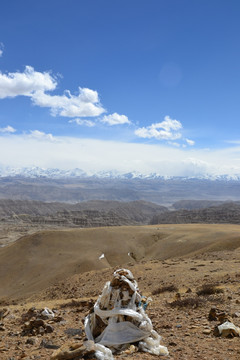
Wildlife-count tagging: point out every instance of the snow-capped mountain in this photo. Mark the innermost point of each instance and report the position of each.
(37, 172)
(55, 173)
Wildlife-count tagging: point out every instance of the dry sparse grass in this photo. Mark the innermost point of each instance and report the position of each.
(209, 289)
(193, 302)
(162, 289)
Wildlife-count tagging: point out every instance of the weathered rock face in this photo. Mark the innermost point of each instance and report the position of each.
(222, 214)
(87, 214)
(195, 204)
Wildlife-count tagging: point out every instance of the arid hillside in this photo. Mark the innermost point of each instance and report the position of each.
(23, 217)
(188, 270)
(36, 261)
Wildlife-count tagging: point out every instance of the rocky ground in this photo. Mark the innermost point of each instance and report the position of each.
(183, 292)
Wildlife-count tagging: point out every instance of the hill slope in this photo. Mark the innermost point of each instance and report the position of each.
(35, 262)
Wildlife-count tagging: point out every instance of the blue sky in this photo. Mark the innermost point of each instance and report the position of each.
(140, 85)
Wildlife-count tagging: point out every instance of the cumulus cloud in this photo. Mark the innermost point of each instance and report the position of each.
(165, 130)
(88, 123)
(25, 83)
(115, 119)
(40, 135)
(85, 104)
(36, 84)
(7, 129)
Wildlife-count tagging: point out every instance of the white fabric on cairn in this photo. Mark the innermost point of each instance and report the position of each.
(119, 319)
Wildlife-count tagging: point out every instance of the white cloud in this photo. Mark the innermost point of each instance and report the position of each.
(115, 119)
(95, 155)
(88, 123)
(35, 84)
(25, 83)
(39, 135)
(174, 143)
(1, 49)
(165, 130)
(7, 129)
(190, 142)
(233, 141)
(85, 104)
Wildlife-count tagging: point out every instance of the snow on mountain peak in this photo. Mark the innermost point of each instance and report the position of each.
(55, 173)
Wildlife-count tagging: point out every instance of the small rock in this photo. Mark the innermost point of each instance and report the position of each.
(172, 343)
(48, 345)
(2, 327)
(58, 319)
(22, 355)
(62, 322)
(207, 331)
(49, 328)
(31, 341)
(3, 313)
(236, 315)
(73, 332)
(41, 330)
(71, 352)
(222, 317)
(212, 316)
(215, 314)
(37, 323)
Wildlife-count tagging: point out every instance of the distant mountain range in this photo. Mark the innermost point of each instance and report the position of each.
(155, 189)
(55, 173)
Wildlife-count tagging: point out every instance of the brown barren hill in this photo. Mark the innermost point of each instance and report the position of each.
(35, 262)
